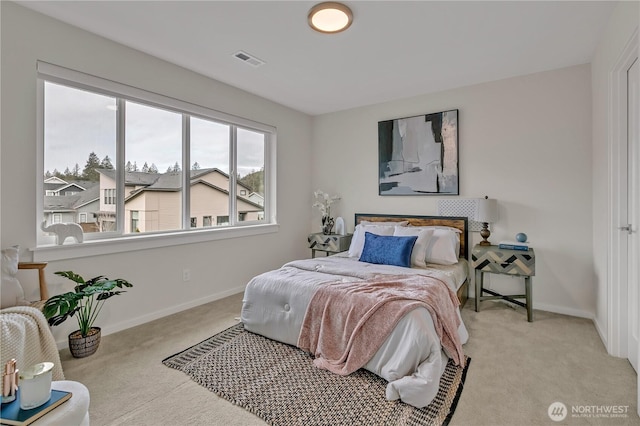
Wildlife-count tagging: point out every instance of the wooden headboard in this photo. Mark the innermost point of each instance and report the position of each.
(460, 223)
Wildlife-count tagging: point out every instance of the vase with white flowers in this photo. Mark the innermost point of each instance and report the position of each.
(323, 203)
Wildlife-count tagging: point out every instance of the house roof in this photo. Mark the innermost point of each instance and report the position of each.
(59, 186)
(171, 182)
(163, 181)
(132, 178)
(64, 203)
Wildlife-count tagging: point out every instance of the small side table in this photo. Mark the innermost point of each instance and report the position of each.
(44, 292)
(495, 260)
(330, 244)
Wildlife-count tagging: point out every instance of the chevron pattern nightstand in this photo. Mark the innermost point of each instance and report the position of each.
(503, 261)
(330, 244)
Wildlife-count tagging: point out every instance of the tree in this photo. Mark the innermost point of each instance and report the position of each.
(135, 167)
(106, 163)
(145, 168)
(128, 167)
(153, 168)
(90, 171)
(57, 174)
(76, 171)
(195, 166)
(47, 175)
(67, 173)
(254, 180)
(176, 168)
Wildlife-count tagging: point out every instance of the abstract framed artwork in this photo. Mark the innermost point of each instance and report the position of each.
(419, 155)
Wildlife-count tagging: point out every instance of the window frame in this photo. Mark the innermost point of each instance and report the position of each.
(109, 242)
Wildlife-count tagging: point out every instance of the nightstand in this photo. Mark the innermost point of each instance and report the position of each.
(495, 260)
(330, 244)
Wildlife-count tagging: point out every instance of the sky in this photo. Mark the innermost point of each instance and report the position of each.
(78, 123)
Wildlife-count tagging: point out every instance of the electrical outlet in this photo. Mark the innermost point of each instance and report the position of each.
(186, 275)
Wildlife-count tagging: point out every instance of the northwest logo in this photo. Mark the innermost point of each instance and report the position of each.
(557, 411)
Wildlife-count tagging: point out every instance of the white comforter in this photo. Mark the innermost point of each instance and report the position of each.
(411, 359)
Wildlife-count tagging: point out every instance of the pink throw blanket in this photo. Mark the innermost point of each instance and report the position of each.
(347, 322)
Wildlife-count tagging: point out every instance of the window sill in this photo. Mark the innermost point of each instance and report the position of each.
(145, 242)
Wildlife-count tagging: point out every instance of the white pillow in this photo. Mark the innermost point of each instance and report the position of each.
(456, 231)
(442, 248)
(419, 253)
(11, 293)
(357, 241)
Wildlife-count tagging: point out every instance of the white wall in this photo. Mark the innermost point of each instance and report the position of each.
(217, 268)
(525, 141)
(622, 23)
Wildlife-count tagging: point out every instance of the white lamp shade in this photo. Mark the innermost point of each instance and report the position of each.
(486, 210)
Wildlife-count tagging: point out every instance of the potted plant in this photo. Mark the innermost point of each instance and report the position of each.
(85, 302)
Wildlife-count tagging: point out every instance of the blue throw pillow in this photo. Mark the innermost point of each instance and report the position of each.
(387, 250)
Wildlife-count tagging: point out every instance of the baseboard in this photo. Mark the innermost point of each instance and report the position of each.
(564, 310)
(602, 334)
(576, 313)
(62, 344)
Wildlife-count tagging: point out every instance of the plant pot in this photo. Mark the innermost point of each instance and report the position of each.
(81, 347)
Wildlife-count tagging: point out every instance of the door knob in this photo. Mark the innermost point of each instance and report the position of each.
(627, 228)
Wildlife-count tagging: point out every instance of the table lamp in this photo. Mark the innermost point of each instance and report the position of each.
(486, 213)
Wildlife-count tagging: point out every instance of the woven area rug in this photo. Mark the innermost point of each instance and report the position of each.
(280, 384)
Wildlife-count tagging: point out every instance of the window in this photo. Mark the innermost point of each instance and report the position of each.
(83, 218)
(109, 196)
(57, 218)
(155, 163)
(135, 221)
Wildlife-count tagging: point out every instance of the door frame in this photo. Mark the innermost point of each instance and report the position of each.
(617, 304)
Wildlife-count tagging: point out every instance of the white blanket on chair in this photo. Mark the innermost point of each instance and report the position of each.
(27, 338)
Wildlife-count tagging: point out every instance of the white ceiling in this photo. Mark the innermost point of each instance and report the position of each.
(393, 50)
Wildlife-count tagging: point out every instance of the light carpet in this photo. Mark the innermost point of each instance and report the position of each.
(280, 384)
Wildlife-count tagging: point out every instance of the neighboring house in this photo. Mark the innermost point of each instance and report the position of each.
(258, 199)
(153, 200)
(79, 205)
(54, 187)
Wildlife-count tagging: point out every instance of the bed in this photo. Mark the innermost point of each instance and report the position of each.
(412, 357)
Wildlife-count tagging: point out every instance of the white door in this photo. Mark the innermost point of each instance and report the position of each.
(633, 206)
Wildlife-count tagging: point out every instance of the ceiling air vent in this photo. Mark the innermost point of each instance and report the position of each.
(248, 59)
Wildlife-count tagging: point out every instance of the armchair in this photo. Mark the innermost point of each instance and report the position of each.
(25, 336)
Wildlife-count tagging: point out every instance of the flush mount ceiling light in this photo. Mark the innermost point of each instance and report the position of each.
(330, 17)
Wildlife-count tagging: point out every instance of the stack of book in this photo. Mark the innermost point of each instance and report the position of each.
(514, 245)
(12, 414)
